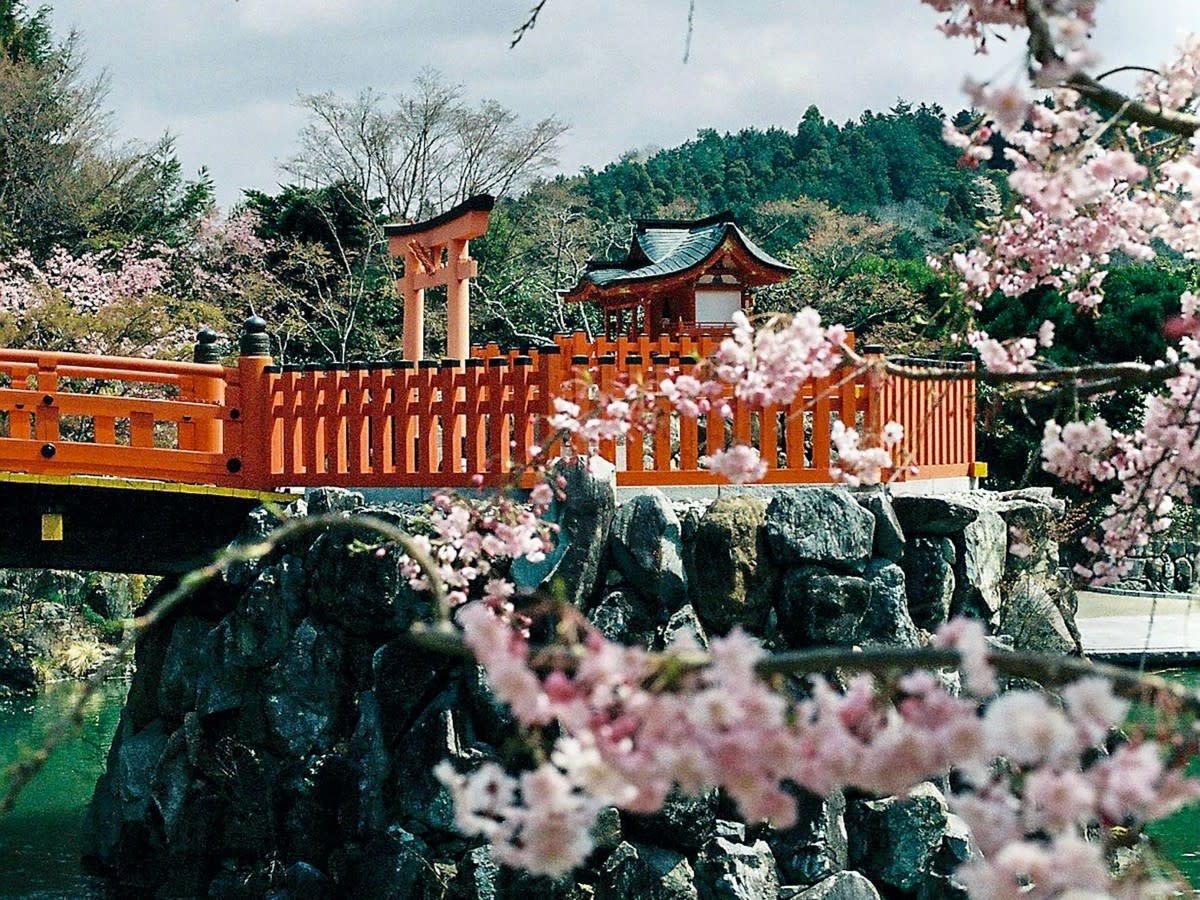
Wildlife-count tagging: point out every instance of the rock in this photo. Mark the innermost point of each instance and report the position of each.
(895, 840)
(889, 540)
(171, 783)
(940, 516)
(887, 620)
(1032, 547)
(929, 572)
(436, 735)
(404, 678)
(361, 590)
(607, 831)
(819, 608)
(1034, 622)
(16, 672)
(318, 801)
(842, 886)
(1043, 496)
(369, 749)
(258, 629)
(1185, 579)
(685, 823)
(796, 523)
(392, 867)
(957, 847)
(303, 692)
(584, 519)
(647, 549)
(477, 876)
(190, 651)
(733, 582)
(684, 623)
(979, 570)
(815, 847)
(621, 619)
(302, 881)
(648, 873)
(323, 501)
(729, 871)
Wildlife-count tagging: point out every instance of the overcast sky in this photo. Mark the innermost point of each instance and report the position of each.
(223, 75)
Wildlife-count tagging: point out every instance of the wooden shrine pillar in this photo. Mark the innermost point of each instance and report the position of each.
(436, 252)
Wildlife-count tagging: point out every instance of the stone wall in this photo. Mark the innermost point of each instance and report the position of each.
(1170, 562)
(279, 735)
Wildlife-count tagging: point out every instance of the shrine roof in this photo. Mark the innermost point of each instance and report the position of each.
(662, 248)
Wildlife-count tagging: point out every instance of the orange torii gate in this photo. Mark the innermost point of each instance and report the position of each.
(436, 253)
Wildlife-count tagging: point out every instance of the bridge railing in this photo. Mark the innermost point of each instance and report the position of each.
(434, 424)
(452, 423)
(74, 413)
(405, 424)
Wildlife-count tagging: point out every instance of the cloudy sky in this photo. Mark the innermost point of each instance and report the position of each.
(223, 76)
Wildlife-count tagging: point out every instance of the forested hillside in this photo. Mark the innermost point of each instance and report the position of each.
(893, 166)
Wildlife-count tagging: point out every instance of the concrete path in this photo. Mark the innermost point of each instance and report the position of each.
(1121, 627)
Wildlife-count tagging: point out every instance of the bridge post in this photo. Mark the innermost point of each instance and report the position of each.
(207, 435)
(254, 356)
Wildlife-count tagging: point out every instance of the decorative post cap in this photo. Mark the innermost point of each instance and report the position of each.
(206, 350)
(255, 341)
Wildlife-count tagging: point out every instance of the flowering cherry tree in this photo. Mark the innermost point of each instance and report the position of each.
(1094, 173)
(140, 300)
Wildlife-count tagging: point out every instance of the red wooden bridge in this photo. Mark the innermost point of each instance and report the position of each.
(206, 430)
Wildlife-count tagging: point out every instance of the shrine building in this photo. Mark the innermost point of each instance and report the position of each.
(679, 277)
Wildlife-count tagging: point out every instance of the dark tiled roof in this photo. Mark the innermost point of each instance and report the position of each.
(664, 247)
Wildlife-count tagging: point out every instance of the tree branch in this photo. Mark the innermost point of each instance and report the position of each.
(1041, 49)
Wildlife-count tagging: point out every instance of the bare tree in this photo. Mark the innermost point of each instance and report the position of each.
(423, 152)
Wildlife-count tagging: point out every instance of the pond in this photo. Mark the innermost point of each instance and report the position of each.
(40, 838)
(1179, 836)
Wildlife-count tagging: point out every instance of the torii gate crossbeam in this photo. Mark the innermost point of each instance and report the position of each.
(435, 253)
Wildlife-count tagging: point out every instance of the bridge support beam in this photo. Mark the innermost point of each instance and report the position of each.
(112, 525)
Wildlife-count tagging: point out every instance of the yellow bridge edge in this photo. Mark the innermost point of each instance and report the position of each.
(138, 484)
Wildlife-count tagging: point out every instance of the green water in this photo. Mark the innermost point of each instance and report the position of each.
(1179, 836)
(40, 838)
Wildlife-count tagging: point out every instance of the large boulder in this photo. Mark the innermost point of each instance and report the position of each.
(364, 592)
(731, 871)
(887, 620)
(647, 548)
(648, 873)
(937, 515)
(895, 840)
(889, 536)
(814, 848)
(979, 567)
(929, 572)
(1035, 622)
(584, 518)
(798, 531)
(732, 580)
(683, 822)
(304, 691)
(817, 607)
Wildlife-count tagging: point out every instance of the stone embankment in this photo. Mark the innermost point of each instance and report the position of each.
(279, 734)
